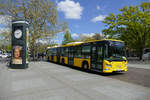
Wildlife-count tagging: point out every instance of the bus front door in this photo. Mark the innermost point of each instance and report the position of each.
(99, 59)
(93, 57)
(96, 58)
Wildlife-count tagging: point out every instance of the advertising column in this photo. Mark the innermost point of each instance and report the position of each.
(20, 45)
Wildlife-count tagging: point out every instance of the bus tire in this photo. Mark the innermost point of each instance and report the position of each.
(85, 66)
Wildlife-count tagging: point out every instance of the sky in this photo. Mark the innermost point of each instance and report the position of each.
(85, 17)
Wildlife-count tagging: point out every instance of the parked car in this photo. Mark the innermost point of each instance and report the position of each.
(4, 55)
(146, 56)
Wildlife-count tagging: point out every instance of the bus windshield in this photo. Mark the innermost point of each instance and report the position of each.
(116, 51)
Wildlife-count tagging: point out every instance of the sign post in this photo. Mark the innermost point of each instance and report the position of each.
(20, 44)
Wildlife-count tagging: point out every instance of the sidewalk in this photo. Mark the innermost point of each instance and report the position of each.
(48, 81)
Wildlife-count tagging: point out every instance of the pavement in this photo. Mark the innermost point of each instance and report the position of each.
(143, 66)
(49, 81)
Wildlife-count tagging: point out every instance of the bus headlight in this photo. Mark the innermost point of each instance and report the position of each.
(108, 65)
(126, 65)
(106, 69)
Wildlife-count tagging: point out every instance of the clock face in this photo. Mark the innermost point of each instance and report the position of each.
(18, 33)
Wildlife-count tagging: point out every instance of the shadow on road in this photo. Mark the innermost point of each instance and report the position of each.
(91, 71)
(133, 75)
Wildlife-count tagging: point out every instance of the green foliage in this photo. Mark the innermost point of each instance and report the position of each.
(41, 14)
(97, 36)
(85, 38)
(5, 41)
(132, 25)
(67, 38)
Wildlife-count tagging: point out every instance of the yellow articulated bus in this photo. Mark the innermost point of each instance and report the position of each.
(104, 56)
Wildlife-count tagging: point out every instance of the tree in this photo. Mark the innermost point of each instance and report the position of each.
(41, 14)
(5, 40)
(132, 25)
(84, 38)
(67, 38)
(97, 36)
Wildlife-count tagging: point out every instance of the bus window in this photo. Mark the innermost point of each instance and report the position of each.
(100, 54)
(49, 52)
(71, 51)
(54, 51)
(86, 51)
(66, 51)
(62, 51)
(106, 51)
(77, 52)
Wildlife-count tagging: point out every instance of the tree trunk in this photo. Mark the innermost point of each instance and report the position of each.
(140, 57)
(140, 53)
(34, 52)
(33, 49)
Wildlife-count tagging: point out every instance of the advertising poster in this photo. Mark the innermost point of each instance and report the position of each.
(17, 59)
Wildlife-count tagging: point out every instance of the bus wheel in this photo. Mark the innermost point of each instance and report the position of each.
(85, 66)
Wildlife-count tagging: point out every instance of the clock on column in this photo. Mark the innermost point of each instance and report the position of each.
(18, 34)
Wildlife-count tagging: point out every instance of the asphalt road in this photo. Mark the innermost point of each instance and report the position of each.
(138, 76)
(49, 81)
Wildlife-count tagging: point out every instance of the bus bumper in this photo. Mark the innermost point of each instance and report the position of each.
(109, 67)
(111, 71)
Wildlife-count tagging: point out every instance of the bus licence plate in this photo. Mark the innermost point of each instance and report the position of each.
(118, 69)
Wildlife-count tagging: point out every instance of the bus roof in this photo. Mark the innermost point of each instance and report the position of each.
(79, 43)
(53, 47)
(72, 44)
(104, 40)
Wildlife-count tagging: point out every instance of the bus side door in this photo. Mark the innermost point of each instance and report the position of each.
(58, 55)
(71, 56)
